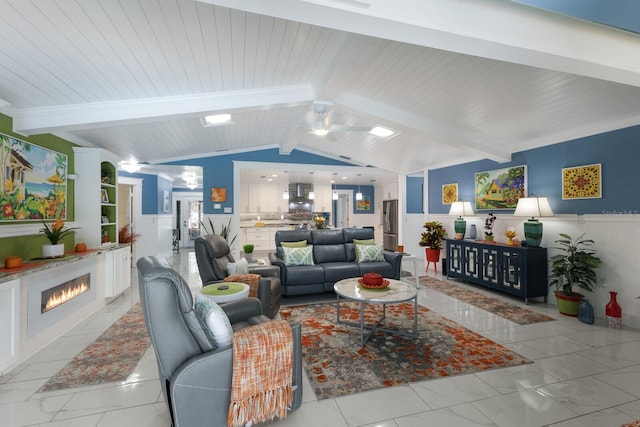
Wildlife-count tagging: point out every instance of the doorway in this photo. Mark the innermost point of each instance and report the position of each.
(341, 209)
(187, 218)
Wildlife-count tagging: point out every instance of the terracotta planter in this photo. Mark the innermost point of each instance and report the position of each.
(568, 305)
(433, 255)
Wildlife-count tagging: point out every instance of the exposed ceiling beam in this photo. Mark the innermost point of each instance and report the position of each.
(79, 116)
(435, 130)
(495, 29)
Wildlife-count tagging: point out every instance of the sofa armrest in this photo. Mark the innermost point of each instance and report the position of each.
(395, 259)
(266, 271)
(276, 261)
(237, 311)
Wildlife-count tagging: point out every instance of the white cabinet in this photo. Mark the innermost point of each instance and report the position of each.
(243, 205)
(118, 271)
(323, 200)
(9, 323)
(261, 238)
(262, 198)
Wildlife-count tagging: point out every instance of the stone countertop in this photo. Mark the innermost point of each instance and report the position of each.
(39, 264)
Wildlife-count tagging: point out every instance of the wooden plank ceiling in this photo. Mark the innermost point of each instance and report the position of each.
(135, 77)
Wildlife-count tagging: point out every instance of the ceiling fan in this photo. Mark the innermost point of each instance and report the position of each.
(319, 122)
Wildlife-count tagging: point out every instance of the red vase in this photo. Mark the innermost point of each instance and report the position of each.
(613, 312)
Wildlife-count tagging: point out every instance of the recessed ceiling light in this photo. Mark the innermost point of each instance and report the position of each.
(382, 132)
(216, 120)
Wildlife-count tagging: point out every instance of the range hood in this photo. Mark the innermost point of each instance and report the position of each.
(299, 197)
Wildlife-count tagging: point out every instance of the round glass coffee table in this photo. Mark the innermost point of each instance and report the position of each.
(396, 292)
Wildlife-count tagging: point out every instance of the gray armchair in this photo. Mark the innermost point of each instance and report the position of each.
(195, 377)
(213, 255)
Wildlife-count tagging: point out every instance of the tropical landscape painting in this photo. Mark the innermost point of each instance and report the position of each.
(500, 188)
(33, 180)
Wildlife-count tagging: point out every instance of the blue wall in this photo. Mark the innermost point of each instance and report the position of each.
(415, 194)
(218, 170)
(618, 152)
(366, 190)
(153, 188)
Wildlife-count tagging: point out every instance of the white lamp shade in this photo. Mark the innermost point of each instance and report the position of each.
(461, 209)
(533, 207)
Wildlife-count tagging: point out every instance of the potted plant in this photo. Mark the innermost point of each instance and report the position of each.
(488, 227)
(432, 237)
(54, 232)
(574, 266)
(248, 251)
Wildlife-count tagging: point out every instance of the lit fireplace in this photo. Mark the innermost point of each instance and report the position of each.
(58, 295)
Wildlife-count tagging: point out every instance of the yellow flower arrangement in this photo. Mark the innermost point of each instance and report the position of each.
(321, 222)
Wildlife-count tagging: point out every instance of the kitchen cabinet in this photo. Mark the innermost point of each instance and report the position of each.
(118, 271)
(323, 198)
(520, 271)
(263, 198)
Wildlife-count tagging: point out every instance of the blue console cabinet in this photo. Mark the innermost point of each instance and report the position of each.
(517, 270)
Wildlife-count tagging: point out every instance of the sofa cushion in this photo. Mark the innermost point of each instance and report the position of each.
(215, 322)
(305, 275)
(334, 271)
(299, 244)
(329, 253)
(381, 267)
(369, 253)
(298, 256)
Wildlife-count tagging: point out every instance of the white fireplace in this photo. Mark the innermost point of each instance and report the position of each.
(55, 295)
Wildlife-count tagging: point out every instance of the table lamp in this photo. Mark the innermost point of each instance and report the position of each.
(460, 209)
(533, 207)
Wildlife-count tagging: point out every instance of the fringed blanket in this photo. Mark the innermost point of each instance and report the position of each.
(253, 280)
(261, 387)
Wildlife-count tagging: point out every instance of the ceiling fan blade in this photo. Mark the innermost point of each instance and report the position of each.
(347, 128)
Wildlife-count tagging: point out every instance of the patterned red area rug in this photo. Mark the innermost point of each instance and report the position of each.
(336, 364)
(519, 315)
(110, 358)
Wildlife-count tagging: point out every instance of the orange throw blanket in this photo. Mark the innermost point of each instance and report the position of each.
(253, 280)
(261, 387)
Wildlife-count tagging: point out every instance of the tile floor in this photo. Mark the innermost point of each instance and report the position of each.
(582, 376)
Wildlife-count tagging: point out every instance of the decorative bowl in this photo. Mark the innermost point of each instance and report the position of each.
(382, 285)
(372, 279)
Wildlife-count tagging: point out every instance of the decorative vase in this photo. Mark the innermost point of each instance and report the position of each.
(473, 232)
(585, 312)
(488, 237)
(614, 312)
(460, 227)
(53, 251)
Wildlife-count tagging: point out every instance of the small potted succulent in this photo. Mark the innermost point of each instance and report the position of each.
(248, 251)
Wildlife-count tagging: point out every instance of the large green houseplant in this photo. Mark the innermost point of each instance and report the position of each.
(575, 265)
(432, 237)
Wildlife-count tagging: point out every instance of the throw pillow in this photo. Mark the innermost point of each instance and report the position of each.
(215, 322)
(369, 253)
(242, 266)
(232, 268)
(364, 242)
(298, 256)
(300, 244)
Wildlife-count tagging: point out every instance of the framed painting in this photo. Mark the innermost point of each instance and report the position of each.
(33, 181)
(449, 193)
(364, 204)
(104, 196)
(582, 182)
(219, 194)
(500, 188)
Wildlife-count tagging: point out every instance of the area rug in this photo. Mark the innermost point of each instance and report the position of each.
(519, 315)
(110, 358)
(337, 365)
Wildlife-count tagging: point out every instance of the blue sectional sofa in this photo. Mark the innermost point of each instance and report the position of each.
(334, 259)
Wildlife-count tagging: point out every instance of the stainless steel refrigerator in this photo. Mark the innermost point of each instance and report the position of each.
(390, 224)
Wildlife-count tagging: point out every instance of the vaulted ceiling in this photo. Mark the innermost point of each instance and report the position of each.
(458, 80)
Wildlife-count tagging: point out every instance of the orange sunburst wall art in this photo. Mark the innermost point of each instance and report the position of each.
(219, 194)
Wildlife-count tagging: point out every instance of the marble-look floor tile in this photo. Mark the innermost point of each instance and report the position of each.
(585, 395)
(88, 421)
(453, 391)
(603, 336)
(323, 413)
(509, 380)
(31, 411)
(627, 379)
(508, 335)
(110, 399)
(569, 366)
(465, 415)
(632, 409)
(19, 391)
(155, 415)
(606, 417)
(526, 408)
(40, 370)
(379, 405)
(555, 346)
(615, 356)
